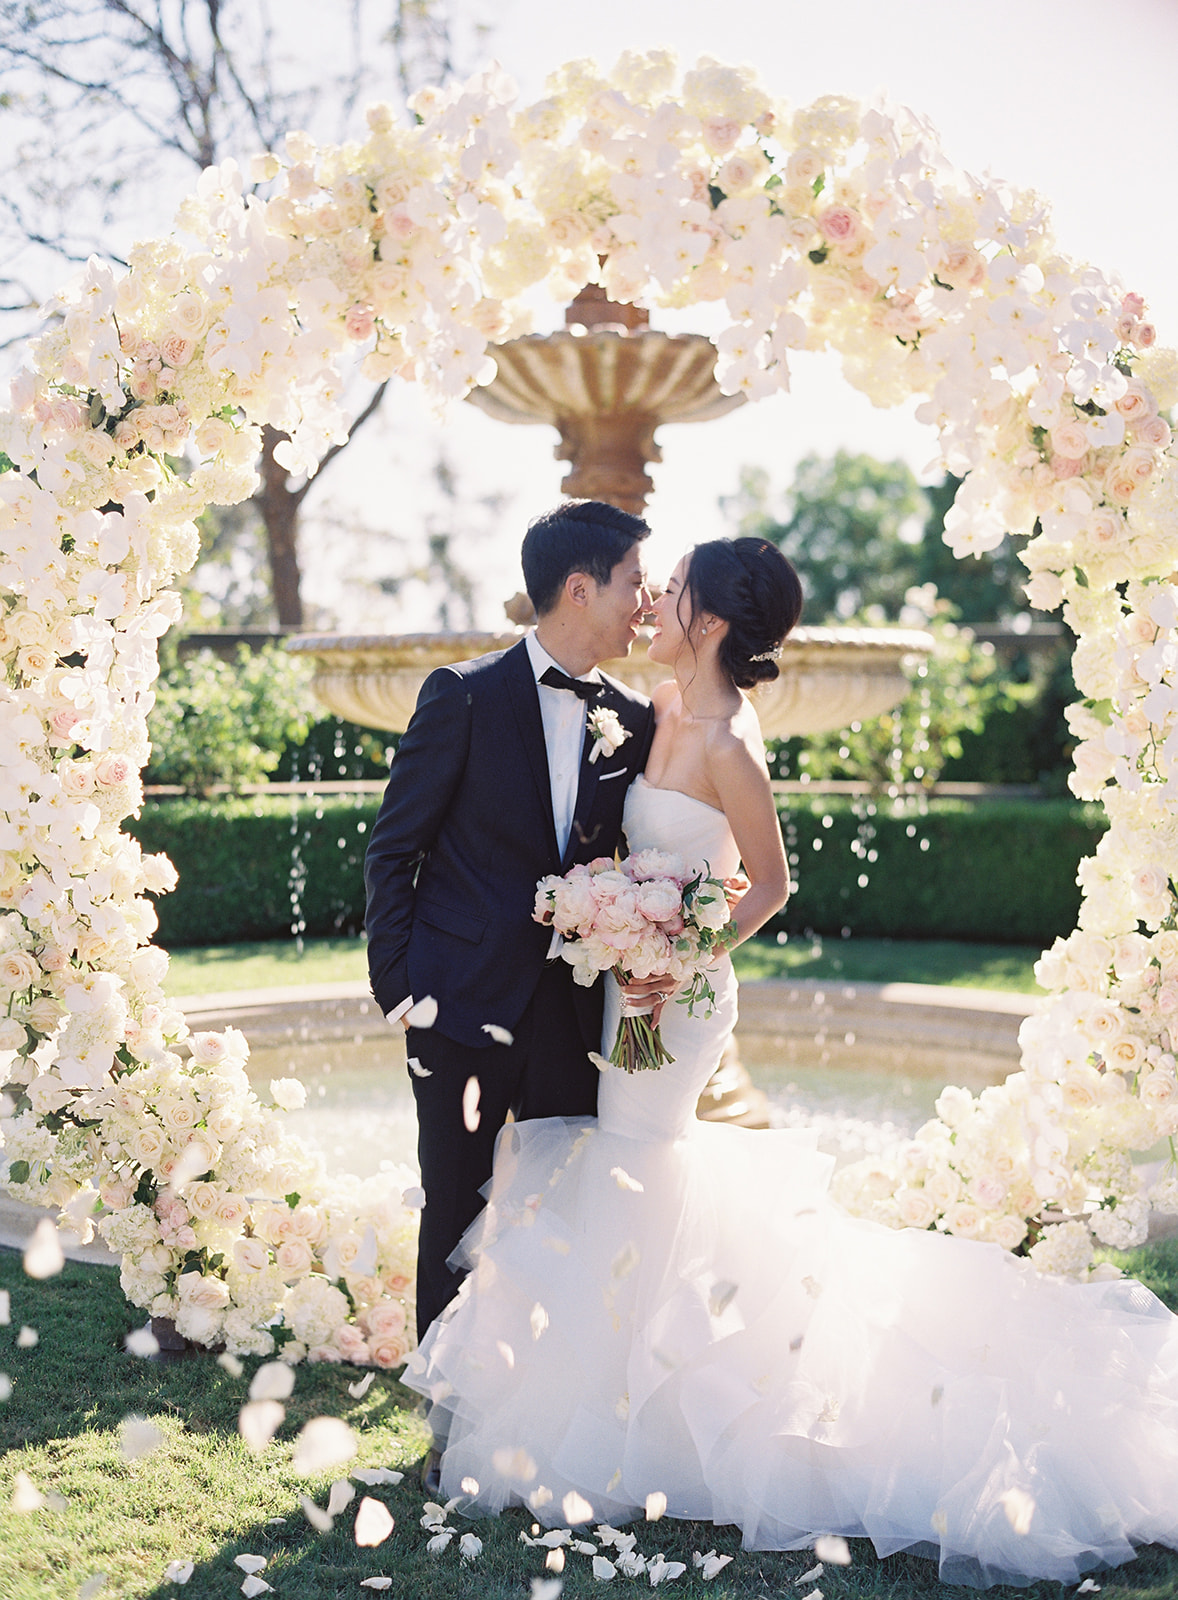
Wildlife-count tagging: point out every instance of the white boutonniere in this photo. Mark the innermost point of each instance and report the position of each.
(606, 727)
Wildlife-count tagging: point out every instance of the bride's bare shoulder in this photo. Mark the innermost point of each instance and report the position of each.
(734, 743)
(663, 695)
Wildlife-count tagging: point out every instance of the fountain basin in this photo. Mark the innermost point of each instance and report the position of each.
(829, 678)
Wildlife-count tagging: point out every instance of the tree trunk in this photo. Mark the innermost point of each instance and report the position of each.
(279, 505)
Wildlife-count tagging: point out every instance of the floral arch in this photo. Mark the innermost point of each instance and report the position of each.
(837, 226)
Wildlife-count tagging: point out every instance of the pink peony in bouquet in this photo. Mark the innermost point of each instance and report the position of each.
(647, 917)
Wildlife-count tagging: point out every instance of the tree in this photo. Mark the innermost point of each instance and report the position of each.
(111, 104)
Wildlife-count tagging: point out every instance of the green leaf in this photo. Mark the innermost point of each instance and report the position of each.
(292, 1200)
(1102, 710)
(819, 184)
(18, 1172)
(1081, 577)
(7, 464)
(819, 256)
(716, 195)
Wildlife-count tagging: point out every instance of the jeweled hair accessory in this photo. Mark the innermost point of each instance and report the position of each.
(768, 655)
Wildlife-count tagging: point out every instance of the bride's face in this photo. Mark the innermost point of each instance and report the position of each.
(672, 612)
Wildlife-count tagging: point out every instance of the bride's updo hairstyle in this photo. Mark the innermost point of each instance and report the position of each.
(752, 587)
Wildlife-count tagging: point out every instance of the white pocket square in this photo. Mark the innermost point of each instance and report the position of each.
(606, 776)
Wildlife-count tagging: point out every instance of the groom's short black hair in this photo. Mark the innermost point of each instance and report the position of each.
(578, 536)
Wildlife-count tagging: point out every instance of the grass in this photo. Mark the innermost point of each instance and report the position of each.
(218, 969)
(201, 1496)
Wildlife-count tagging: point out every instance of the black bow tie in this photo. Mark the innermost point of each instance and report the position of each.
(554, 678)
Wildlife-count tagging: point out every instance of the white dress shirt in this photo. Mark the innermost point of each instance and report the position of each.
(563, 717)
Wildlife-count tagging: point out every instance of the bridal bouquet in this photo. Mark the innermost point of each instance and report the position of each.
(651, 916)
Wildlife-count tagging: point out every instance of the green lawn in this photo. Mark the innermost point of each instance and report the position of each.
(202, 1497)
(226, 968)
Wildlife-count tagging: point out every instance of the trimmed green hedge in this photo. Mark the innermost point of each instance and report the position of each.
(1002, 873)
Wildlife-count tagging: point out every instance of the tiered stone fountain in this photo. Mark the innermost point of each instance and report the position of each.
(606, 382)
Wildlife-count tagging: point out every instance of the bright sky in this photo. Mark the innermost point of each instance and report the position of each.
(1072, 98)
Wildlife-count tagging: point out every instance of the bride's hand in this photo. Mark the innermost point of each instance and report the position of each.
(659, 989)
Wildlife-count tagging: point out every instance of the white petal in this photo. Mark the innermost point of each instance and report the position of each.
(258, 1421)
(1088, 1587)
(318, 1519)
(413, 1198)
(516, 1464)
(470, 1547)
(506, 1352)
(1019, 1507)
(26, 1338)
(603, 1570)
(424, 1014)
(250, 1563)
(500, 1035)
(660, 1571)
(439, 1541)
(376, 1583)
(138, 1438)
(538, 1319)
(361, 1387)
(576, 1509)
(43, 1255)
(374, 1475)
(179, 1571)
(230, 1364)
(25, 1494)
(656, 1505)
(94, 1585)
(273, 1381)
(342, 1494)
(812, 1576)
(374, 1522)
(253, 1586)
(554, 1561)
(470, 1105)
(142, 1342)
(546, 1589)
(713, 1564)
(325, 1442)
(831, 1548)
(5, 1308)
(417, 1069)
(602, 1063)
(469, 1486)
(624, 1181)
(625, 1261)
(720, 1297)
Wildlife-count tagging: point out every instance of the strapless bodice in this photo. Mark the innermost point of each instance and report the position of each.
(668, 819)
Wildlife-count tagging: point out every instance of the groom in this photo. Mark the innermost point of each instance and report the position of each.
(492, 788)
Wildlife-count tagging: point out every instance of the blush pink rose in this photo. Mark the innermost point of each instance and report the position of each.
(359, 322)
(840, 225)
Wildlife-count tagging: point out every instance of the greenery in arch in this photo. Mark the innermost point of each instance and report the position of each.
(835, 225)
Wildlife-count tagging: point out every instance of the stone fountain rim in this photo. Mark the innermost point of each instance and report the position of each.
(873, 641)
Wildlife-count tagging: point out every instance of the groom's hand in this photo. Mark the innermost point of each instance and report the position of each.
(660, 989)
(735, 889)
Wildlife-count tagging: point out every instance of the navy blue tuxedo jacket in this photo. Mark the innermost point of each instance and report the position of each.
(464, 833)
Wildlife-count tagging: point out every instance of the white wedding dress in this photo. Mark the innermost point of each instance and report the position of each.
(658, 1304)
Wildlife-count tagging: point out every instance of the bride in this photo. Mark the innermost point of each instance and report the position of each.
(664, 1306)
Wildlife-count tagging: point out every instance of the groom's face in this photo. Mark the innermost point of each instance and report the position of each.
(617, 607)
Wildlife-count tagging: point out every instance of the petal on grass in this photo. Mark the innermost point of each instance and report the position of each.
(138, 1438)
(254, 1586)
(424, 1014)
(812, 1576)
(27, 1338)
(500, 1035)
(258, 1421)
(94, 1585)
(656, 1505)
(249, 1563)
(179, 1571)
(324, 1442)
(604, 1571)
(660, 1571)
(546, 1589)
(470, 1105)
(438, 1543)
(5, 1308)
(371, 1476)
(376, 1583)
(43, 1256)
(26, 1496)
(273, 1381)
(341, 1496)
(576, 1508)
(374, 1523)
(318, 1518)
(470, 1547)
(1088, 1587)
(361, 1387)
(833, 1549)
(142, 1342)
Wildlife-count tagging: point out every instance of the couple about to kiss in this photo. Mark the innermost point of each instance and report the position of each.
(616, 1300)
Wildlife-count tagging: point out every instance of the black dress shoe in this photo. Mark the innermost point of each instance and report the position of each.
(431, 1474)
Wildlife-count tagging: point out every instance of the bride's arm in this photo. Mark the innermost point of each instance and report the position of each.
(741, 780)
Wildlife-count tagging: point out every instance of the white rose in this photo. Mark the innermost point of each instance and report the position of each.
(288, 1093)
(916, 1207)
(294, 1258)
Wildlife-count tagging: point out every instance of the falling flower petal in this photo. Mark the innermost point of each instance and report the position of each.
(1019, 1507)
(319, 1520)
(179, 1571)
(624, 1181)
(5, 1308)
(324, 1442)
(417, 1069)
(230, 1364)
(374, 1522)
(516, 1464)
(25, 1494)
(833, 1549)
(470, 1105)
(602, 1063)
(138, 1438)
(469, 1486)
(812, 1287)
(576, 1509)
(27, 1338)
(812, 1576)
(361, 1387)
(656, 1505)
(376, 1583)
(1088, 1587)
(273, 1381)
(554, 1561)
(500, 1035)
(660, 1571)
(939, 1523)
(93, 1585)
(142, 1342)
(250, 1563)
(342, 1494)
(470, 1547)
(539, 1320)
(413, 1198)
(374, 1475)
(625, 1261)
(43, 1256)
(720, 1297)
(5, 1386)
(506, 1352)
(254, 1586)
(603, 1570)
(439, 1541)
(540, 1497)
(546, 1589)
(258, 1421)
(422, 1015)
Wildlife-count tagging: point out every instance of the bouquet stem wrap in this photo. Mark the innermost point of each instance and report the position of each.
(638, 1044)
